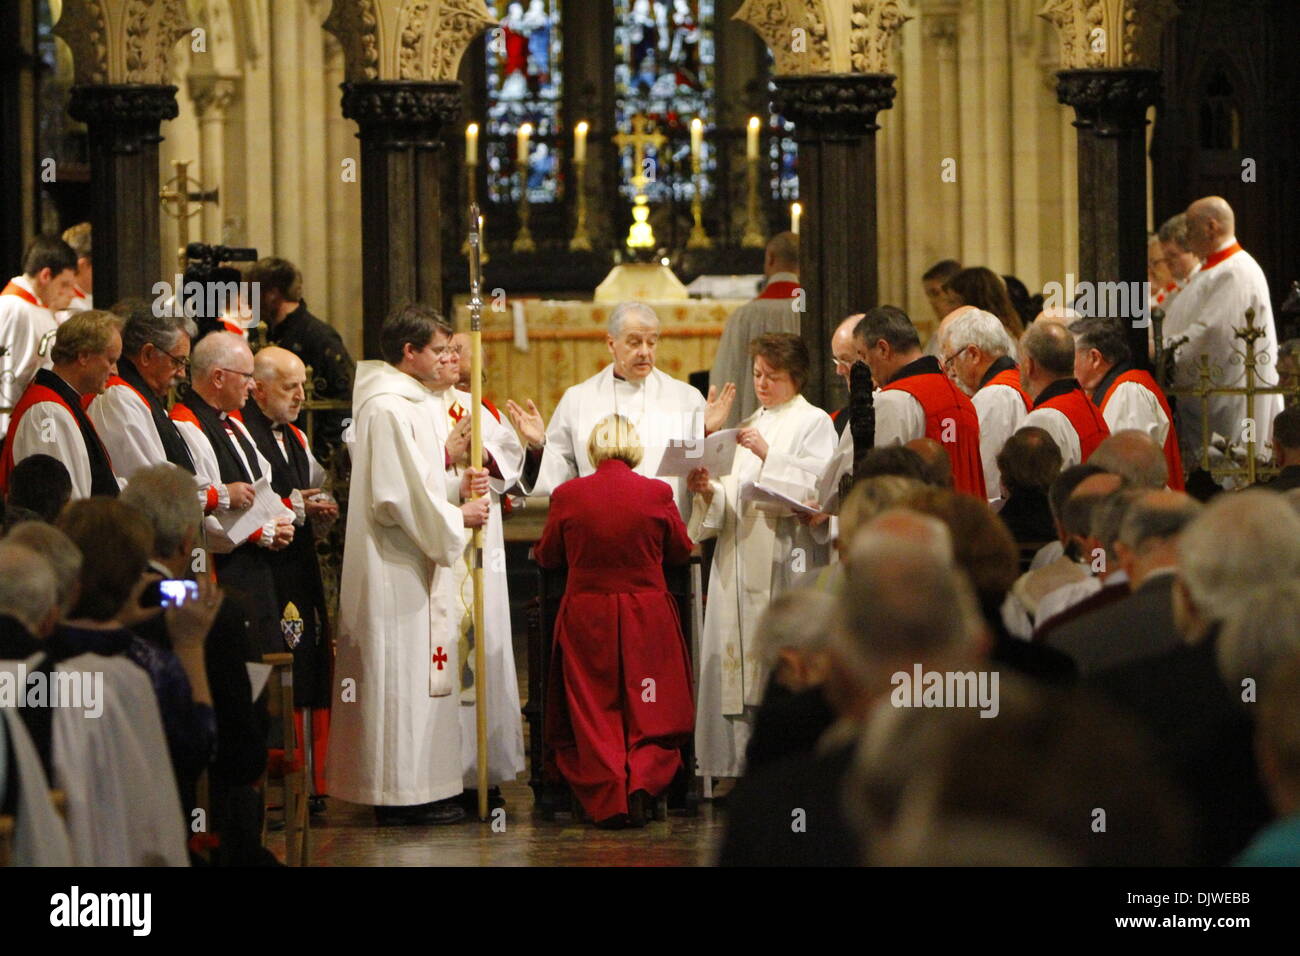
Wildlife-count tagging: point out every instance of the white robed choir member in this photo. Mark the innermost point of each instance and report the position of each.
(1208, 312)
(762, 549)
(395, 738)
(503, 455)
(660, 407)
(27, 328)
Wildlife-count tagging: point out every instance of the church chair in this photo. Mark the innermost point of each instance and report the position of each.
(289, 772)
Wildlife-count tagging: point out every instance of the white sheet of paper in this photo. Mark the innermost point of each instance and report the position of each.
(258, 674)
(827, 490)
(267, 506)
(753, 491)
(715, 452)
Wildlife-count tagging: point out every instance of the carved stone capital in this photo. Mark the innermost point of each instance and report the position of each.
(122, 41)
(833, 107)
(1109, 34)
(1110, 102)
(212, 94)
(827, 36)
(398, 115)
(405, 39)
(126, 116)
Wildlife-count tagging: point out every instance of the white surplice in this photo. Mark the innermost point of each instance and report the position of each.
(760, 553)
(395, 726)
(123, 809)
(1208, 311)
(505, 721)
(662, 408)
(26, 336)
(40, 837)
(48, 428)
(1001, 410)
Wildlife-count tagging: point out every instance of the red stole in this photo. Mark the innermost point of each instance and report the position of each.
(780, 290)
(947, 409)
(1173, 458)
(103, 481)
(1219, 256)
(13, 288)
(1084, 417)
(1010, 377)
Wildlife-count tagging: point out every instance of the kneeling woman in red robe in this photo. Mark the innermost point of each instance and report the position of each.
(619, 704)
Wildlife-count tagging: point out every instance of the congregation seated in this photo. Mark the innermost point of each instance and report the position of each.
(39, 487)
(1028, 464)
(897, 460)
(1135, 457)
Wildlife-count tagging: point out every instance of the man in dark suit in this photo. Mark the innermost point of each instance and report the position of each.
(1140, 625)
(1286, 450)
(1199, 721)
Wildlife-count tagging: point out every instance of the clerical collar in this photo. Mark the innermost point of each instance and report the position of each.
(1107, 380)
(1062, 386)
(999, 365)
(925, 365)
(1231, 247)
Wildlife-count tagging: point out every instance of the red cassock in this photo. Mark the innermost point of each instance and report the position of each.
(619, 704)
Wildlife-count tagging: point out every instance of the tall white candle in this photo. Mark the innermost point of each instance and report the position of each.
(796, 213)
(521, 152)
(580, 142)
(471, 144)
(751, 142)
(697, 139)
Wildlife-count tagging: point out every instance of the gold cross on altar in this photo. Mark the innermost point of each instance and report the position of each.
(639, 139)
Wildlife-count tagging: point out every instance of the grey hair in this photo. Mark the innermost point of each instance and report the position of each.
(143, 327)
(1133, 455)
(984, 330)
(216, 350)
(168, 497)
(59, 551)
(798, 619)
(1108, 517)
(1240, 540)
(623, 310)
(28, 589)
(901, 601)
(1174, 229)
(1146, 523)
(1261, 631)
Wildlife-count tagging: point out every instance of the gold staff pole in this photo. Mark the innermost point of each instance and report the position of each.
(476, 461)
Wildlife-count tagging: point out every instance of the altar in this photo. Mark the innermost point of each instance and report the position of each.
(536, 348)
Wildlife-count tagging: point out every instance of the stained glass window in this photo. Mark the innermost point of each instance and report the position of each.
(524, 82)
(663, 69)
(783, 157)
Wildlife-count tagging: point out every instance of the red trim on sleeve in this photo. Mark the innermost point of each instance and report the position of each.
(214, 499)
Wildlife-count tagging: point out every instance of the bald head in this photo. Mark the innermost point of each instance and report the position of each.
(1098, 486)
(842, 348)
(906, 525)
(1134, 456)
(221, 370)
(936, 459)
(1210, 223)
(1061, 314)
(279, 386)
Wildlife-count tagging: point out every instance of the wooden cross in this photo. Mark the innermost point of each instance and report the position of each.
(639, 139)
(439, 658)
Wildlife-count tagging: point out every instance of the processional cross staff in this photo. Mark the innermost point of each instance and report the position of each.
(476, 462)
(639, 139)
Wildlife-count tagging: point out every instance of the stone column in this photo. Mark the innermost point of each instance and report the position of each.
(212, 96)
(832, 79)
(1110, 53)
(121, 54)
(402, 60)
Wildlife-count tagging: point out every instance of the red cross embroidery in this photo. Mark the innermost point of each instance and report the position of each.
(457, 412)
(439, 658)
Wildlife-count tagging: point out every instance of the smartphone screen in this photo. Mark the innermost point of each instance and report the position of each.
(175, 591)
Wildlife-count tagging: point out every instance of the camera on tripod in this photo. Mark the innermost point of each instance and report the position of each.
(216, 296)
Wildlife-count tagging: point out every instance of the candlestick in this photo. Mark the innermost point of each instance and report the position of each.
(580, 142)
(753, 237)
(699, 238)
(471, 144)
(751, 140)
(796, 213)
(581, 242)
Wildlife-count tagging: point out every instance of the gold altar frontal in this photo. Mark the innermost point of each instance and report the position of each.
(566, 344)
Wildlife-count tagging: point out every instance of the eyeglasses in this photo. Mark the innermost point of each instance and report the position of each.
(181, 362)
(248, 376)
(947, 363)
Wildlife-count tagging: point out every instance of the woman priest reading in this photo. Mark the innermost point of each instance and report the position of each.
(619, 706)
